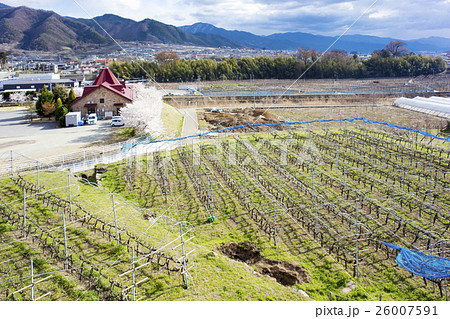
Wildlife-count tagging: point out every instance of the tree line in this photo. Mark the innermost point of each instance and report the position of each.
(55, 103)
(334, 64)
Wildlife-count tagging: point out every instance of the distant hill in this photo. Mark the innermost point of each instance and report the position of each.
(32, 29)
(151, 30)
(294, 40)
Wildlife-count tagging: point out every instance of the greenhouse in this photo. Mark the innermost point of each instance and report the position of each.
(438, 106)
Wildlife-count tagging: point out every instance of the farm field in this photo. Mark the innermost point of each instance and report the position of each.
(289, 213)
(385, 113)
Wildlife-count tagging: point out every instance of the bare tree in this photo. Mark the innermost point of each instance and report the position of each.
(18, 97)
(166, 57)
(395, 48)
(49, 109)
(307, 56)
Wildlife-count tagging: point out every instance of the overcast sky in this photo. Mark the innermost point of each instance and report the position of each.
(402, 19)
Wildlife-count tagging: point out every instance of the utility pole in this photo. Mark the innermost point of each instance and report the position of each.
(275, 227)
(70, 196)
(115, 218)
(38, 163)
(356, 236)
(66, 263)
(134, 274)
(24, 212)
(12, 167)
(184, 257)
(32, 281)
(315, 202)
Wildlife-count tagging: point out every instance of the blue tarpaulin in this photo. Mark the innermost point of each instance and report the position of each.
(127, 147)
(427, 266)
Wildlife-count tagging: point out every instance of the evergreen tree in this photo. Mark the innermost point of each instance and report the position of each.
(45, 97)
(335, 64)
(72, 97)
(58, 109)
(3, 58)
(60, 92)
(62, 118)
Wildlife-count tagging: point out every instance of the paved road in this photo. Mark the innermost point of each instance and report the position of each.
(190, 125)
(38, 140)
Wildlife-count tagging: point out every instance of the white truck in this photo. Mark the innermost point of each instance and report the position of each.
(73, 118)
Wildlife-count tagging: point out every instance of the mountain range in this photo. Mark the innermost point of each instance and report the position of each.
(32, 29)
(149, 30)
(295, 40)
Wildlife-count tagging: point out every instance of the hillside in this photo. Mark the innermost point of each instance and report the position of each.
(44, 30)
(31, 29)
(123, 29)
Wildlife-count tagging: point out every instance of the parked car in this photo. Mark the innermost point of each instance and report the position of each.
(117, 122)
(92, 119)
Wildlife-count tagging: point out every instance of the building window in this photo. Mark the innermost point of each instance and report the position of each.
(18, 87)
(91, 110)
(32, 86)
(102, 100)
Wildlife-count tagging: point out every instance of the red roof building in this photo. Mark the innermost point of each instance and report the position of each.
(104, 97)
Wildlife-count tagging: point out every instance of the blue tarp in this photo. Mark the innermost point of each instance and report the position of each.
(127, 147)
(427, 266)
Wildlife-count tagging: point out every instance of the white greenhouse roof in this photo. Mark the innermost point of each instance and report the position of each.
(438, 106)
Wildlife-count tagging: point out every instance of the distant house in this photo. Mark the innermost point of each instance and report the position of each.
(104, 97)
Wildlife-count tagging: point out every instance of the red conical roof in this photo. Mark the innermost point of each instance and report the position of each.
(107, 80)
(106, 76)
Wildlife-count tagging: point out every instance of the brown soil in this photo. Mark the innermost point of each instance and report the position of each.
(284, 272)
(234, 117)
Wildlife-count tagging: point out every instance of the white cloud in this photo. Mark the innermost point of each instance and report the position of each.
(113, 5)
(383, 14)
(404, 18)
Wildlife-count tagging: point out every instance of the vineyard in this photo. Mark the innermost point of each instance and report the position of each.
(312, 202)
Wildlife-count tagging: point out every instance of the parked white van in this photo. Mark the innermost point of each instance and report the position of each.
(92, 119)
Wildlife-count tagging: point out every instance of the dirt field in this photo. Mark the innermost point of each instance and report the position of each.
(388, 114)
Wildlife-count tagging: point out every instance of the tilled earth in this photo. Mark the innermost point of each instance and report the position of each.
(284, 272)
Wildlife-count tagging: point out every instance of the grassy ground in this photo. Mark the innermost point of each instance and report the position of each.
(172, 120)
(213, 276)
(139, 185)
